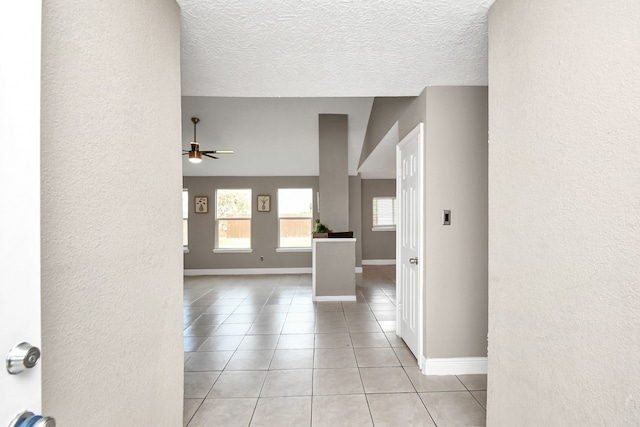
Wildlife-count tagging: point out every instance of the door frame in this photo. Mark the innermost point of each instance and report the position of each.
(416, 134)
(20, 274)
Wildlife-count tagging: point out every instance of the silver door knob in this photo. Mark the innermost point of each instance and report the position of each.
(413, 261)
(22, 356)
(28, 419)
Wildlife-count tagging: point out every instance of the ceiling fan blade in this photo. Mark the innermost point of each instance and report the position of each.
(204, 153)
(217, 151)
(184, 153)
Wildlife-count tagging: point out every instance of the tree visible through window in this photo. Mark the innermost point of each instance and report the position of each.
(295, 217)
(385, 213)
(233, 219)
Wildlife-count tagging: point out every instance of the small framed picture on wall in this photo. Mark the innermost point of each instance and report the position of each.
(264, 203)
(202, 205)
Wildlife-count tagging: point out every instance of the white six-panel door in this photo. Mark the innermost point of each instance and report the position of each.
(20, 29)
(409, 235)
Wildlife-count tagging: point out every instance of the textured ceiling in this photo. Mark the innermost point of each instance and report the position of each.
(331, 48)
(258, 73)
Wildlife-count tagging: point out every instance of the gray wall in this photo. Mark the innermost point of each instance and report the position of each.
(413, 114)
(456, 255)
(376, 244)
(334, 173)
(264, 228)
(455, 264)
(564, 259)
(335, 268)
(355, 214)
(385, 112)
(111, 235)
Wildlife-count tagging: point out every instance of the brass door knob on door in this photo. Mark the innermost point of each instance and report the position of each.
(413, 261)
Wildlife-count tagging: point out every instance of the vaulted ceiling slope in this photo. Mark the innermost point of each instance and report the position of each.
(331, 48)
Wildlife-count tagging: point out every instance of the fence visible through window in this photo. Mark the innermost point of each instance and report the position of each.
(295, 217)
(233, 219)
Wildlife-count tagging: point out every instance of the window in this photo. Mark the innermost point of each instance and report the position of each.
(233, 219)
(185, 217)
(385, 214)
(295, 217)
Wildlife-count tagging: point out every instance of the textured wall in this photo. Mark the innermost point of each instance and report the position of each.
(111, 202)
(564, 324)
(456, 255)
(376, 244)
(264, 225)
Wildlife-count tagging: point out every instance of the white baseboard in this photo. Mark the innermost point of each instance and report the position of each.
(335, 298)
(454, 366)
(378, 262)
(241, 271)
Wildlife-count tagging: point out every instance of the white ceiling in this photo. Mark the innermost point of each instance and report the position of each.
(315, 49)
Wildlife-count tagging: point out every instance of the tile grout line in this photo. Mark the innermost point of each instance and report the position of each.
(315, 334)
(195, 412)
(472, 395)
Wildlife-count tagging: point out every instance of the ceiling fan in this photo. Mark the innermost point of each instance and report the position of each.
(195, 154)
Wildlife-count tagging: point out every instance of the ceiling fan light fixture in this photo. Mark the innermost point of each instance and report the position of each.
(195, 157)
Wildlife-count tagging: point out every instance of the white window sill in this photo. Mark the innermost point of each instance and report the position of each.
(293, 249)
(232, 251)
(384, 228)
(185, 249)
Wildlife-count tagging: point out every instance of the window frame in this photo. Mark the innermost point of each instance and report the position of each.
(217, 248)
(279, 247)
(385, 227)
(185, 220)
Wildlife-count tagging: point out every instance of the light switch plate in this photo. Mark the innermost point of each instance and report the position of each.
(446, 217)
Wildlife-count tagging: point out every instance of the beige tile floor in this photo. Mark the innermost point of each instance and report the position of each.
(259, 352)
